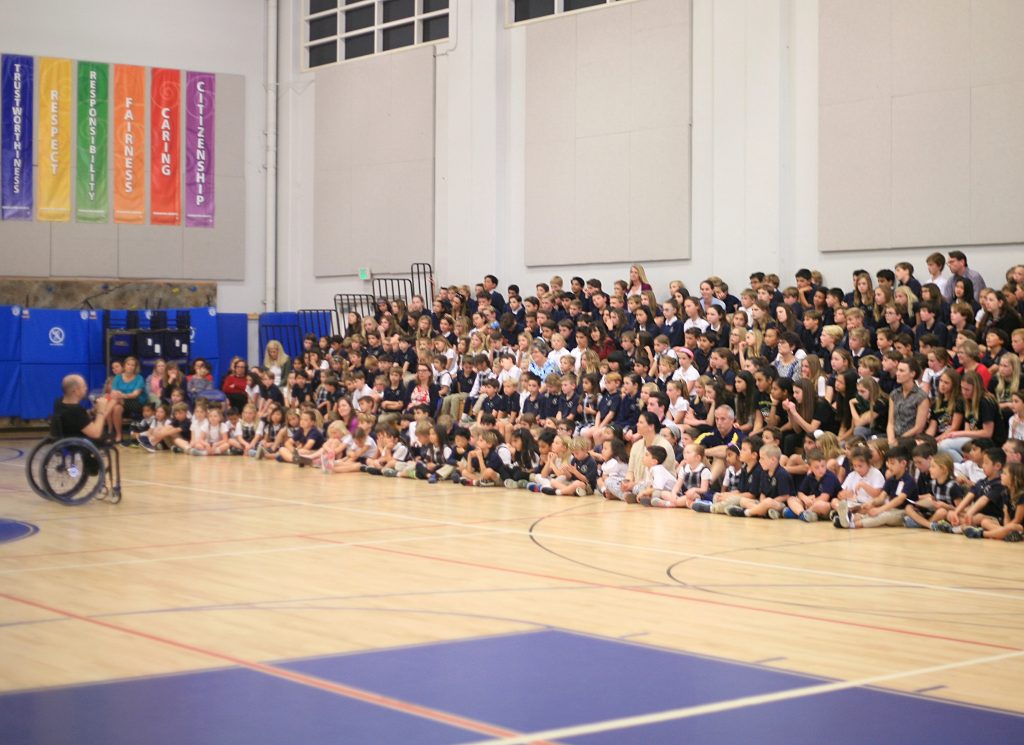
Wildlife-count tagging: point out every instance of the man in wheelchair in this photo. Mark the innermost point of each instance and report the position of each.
(76, 462)
(70, 418)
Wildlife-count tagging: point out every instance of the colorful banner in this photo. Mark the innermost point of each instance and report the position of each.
(129, 144)
(54, 202)
(200, 104)
(165, 147)
(92, 199)
(16, 144)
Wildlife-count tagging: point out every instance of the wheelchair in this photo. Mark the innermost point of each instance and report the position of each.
(74, 470)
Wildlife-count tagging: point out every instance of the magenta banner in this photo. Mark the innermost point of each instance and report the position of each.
(200, 101)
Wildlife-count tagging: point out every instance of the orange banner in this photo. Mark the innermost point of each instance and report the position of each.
(129, 144)
(165, 147)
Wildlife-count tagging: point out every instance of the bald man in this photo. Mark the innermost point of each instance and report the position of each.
(70, 419)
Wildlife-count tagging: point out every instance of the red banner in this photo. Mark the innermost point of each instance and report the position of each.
(165, 147)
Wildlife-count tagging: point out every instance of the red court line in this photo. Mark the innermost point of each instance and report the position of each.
(705, 601)
(357, 694)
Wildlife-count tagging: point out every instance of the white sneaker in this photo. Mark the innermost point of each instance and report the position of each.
(843, 512)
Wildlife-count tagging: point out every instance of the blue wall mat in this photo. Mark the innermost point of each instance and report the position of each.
(204, 338)
(94, 324)
(54, 337)
(97, 376)
(10, 332)
(233, 336)
(37, 399)
(267, 332)
(10, 396)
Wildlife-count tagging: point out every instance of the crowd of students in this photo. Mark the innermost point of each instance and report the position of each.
(896, 403)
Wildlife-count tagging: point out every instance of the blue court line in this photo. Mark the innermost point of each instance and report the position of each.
(17, 454)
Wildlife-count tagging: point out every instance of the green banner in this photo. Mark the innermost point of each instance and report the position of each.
(92, 196)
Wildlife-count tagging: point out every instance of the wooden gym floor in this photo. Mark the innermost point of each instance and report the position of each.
(227, 600)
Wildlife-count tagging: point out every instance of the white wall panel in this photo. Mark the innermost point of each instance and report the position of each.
(855, 193)
(84, 250)
(373, 174)
(20, 252)
(955, 163)
(855, 50)
(997, 163)
(931, 134)
(595, 84)
(997, 49)
(602, 198)
(931, 45)
(659, 76)
(602, 71)
(551, 80)
(659, 203)
(550, 202)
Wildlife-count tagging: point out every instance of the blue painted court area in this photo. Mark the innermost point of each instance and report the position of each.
(518, 683)
(15, 530)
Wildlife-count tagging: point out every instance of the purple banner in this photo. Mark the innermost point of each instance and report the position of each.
(200, 98)
(16, 143)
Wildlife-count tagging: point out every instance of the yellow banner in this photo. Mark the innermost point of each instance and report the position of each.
(54, 112)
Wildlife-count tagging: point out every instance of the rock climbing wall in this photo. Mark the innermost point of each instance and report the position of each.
(106, 293)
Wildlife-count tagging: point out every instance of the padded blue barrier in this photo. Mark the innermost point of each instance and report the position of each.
(59, 337)
(275, 326)
(10, 332)
(10, 395)
(233, 336)
(94, 324)
(37, 399)
(204, 333)
(97, 376)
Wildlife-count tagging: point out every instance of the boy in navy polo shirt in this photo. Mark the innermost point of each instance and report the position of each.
(629, 406)
(581, 471)
(775, 488)
(747, 482)
(888, 507)
(489, 401)
(607, 410)
(549, 400)
(814, 496)
(483, 465)
(568, 402)
(985, 498)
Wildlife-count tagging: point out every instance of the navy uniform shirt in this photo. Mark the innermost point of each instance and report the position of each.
(776, 485)
(588, 467)
(829, 484)
(905, 485)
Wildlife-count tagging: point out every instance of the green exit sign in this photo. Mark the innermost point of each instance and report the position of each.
(364, 274)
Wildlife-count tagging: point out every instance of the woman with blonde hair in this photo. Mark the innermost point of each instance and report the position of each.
(275, 361)
(980, 414)
(947, 407)
(638, 281)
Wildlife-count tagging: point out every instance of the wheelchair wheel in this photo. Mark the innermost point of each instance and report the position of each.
(33, 467)
(73, 471)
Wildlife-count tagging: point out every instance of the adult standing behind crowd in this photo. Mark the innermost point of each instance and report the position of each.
(638, 282)
(958, 267)
(276, 362)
